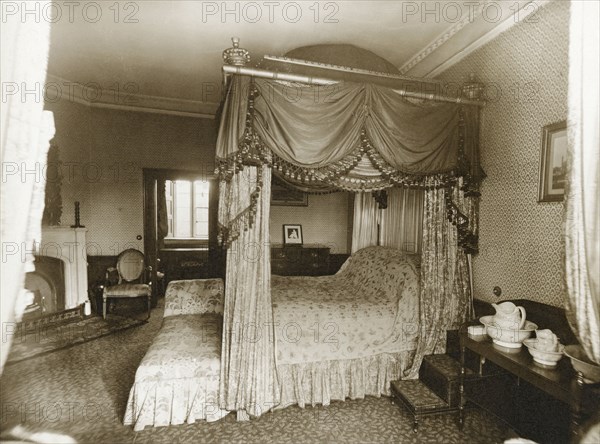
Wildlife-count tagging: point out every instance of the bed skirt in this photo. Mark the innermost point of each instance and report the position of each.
(321, 382)
(173, 401)
(177, 381)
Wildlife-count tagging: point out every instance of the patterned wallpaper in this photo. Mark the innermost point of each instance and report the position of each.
(525, 70)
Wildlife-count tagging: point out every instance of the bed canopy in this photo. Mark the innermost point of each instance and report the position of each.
(337, 126)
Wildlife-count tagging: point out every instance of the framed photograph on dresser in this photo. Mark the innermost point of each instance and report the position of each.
(553, 169)
(292, 235)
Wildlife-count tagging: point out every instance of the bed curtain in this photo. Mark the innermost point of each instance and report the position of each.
(400, 223)
(445, 296)
(248, 377)
(582, 211)
(357, 137)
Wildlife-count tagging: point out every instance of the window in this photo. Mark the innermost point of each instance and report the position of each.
(187, 209)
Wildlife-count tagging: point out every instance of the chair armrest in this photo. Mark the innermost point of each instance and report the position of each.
(111, 277)
(194, 296)
(146, 277)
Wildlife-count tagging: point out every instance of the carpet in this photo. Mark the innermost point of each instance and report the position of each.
(29, 342)
(82, 392)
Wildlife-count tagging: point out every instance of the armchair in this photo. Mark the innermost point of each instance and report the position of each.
(131, 279)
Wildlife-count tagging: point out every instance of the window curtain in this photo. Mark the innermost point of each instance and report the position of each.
(162, 219)
(445, 288)
(401, 222)
(582, 218)
(26, 130)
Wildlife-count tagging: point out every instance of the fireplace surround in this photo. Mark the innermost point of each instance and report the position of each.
(69, 245)
(46, 286)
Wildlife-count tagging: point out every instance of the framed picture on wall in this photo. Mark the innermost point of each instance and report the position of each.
(283, 196)
(553, 170)
(292, 235)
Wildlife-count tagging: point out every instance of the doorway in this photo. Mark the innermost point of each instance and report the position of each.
(180, 227)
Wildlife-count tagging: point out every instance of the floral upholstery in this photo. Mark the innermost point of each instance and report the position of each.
(194, 296)
(178, 379)
(350, 334)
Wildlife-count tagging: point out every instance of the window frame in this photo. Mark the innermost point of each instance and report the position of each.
(213, 192)
(171, 202)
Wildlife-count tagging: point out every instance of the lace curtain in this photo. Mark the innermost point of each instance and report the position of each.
(26, 131)
(582, 218)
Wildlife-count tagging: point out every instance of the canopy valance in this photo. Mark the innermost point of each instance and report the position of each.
(351, 136)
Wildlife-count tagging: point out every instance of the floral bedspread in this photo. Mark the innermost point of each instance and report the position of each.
(370, 306)
(178, 380)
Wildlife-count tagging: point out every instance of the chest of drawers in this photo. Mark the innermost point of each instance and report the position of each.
(300, 261)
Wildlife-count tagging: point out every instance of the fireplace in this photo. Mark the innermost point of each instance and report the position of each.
(46, 288)
(69, 247)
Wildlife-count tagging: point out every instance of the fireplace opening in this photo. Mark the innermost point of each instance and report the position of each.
(46, 288)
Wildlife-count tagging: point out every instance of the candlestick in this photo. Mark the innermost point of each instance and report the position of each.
(77, 218)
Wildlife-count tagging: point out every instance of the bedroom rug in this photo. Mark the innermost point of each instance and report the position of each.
(82, 392)
(32, 341)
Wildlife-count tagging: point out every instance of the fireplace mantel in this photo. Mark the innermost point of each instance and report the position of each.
(69, 245)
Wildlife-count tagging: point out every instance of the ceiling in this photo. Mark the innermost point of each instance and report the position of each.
(166, 56)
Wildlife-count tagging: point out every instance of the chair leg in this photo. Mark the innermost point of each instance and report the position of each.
(104, 308)
(149, 306)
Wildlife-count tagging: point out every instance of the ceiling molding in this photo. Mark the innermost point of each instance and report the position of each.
(58, 88)
(429, 53)
(484, 39)
(441, 39)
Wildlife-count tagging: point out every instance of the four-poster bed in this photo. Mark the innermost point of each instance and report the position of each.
(319, 133)
(310, 340)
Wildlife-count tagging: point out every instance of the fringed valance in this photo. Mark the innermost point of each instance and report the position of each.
(352, 137)
(356, 137)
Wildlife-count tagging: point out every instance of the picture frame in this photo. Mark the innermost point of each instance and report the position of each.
(284, 196)
(292, 234)
(553, 159)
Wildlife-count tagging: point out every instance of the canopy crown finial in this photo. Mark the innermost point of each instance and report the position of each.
(472, 89)
(235, 55)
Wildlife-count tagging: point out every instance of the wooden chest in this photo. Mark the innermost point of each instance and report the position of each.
(300, 261)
